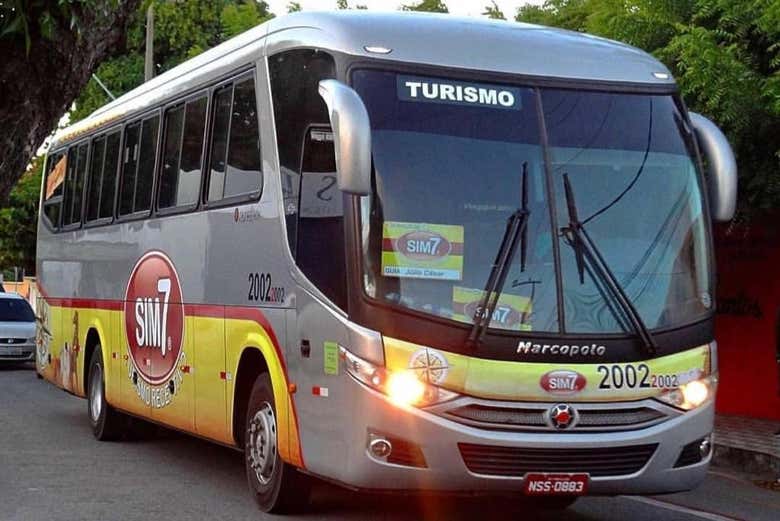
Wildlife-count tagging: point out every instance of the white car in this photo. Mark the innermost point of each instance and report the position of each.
(17, 329)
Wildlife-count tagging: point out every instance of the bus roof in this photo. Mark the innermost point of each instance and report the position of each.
(420, 38)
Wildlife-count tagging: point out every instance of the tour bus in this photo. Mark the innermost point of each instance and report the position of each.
(399, 252)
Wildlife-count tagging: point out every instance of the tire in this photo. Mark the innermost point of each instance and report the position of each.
(276, 486)
(107, 423)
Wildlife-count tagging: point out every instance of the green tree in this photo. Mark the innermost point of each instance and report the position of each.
(725, 56)
(343, 4)
(19, 220)
(49, 50)
(183, 29)
(493, 11)
(430, 6)
(293, 7)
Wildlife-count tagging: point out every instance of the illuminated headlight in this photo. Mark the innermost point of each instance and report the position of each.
(401, 387)
(691, 395)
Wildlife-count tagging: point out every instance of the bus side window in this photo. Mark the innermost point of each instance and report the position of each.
(183, 153)
(95, 177)
(53, 188)
(108, 187)
(74, 184)
(129, 166)
(138, 172)
(236, 168)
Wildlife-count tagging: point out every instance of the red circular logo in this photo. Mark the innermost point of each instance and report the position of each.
(154, 317)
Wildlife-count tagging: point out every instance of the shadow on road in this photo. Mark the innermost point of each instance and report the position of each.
(186, 455)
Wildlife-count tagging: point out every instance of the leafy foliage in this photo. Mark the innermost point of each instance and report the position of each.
(293, 7)
(27, 19)
(183, 29)
(725, 55)
(18, 221)
(430, 6)
(493, 11)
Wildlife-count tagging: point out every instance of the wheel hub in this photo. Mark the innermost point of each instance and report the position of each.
(261, 443)
(96, 393)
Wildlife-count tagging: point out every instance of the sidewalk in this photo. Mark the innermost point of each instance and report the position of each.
(750, 445)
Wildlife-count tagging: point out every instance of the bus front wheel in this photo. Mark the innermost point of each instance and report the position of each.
(277, 486)
(106, 422)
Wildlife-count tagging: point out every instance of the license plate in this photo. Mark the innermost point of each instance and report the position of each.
(556, 484)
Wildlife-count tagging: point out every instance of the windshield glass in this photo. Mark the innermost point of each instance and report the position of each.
(449, 157)
(15, 310)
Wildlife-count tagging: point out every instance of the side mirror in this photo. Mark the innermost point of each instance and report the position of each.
(722, 178)
(351, 136)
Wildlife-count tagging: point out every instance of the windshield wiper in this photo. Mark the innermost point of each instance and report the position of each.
(515, 233)
(584, 247)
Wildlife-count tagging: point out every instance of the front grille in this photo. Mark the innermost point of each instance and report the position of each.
(533, 417)
(9, 341)
(493, 460)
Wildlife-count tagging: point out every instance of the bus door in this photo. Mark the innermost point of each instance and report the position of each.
(320, 255)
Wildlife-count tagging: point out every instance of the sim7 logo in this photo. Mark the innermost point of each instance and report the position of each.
(154, 325)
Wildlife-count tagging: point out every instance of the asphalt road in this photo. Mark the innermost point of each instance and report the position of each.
(51, 468)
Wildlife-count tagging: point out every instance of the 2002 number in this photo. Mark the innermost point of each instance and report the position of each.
(634, 377)
(261, 290)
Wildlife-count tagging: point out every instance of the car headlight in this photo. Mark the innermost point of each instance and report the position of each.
(692, 394)
(32, 339)
(401, 387)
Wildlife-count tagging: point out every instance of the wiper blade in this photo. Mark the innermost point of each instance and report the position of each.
(584, 247)
(514, 234)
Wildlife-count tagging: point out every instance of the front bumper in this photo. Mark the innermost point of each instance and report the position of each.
(17, 353)
(439, 438)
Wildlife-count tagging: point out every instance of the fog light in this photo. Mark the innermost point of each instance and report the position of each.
(705, 447)
(380, 447)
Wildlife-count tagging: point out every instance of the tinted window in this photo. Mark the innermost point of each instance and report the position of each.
(244, 173)
(219, 137)
(53, 188)
(110, 166)
(174, 122)
(129, 164)
(180, 181)
(138, 171)
(74, 184)
(146, 160)
(191, 152)
(15, 310)
(95, 177)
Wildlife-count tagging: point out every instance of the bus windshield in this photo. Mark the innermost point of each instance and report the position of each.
(449, 161)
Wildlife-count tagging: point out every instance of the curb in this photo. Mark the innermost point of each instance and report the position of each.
(744, 460)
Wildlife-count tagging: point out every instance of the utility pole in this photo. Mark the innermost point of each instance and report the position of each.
(149, 60)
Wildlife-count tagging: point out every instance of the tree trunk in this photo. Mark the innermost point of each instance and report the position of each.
(38, 87)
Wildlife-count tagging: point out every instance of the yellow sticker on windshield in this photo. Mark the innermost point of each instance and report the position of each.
(422, 250)
(512, 311)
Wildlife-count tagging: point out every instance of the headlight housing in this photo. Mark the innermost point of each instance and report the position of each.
(402, 387)
(691, 395)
